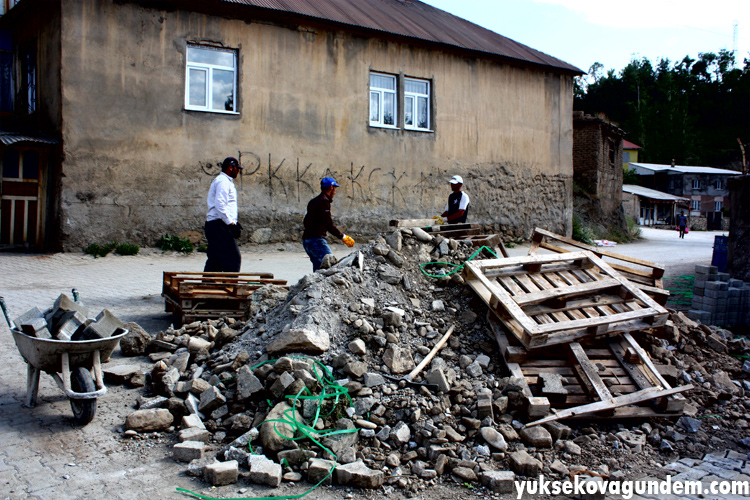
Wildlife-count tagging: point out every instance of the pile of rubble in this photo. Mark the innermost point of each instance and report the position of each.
(308, 387)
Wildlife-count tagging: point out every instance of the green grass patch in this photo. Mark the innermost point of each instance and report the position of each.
(167, 243)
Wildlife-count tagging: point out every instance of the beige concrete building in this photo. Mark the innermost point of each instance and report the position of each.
(128, 107)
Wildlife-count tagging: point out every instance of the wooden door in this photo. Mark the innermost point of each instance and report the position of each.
(21, 197)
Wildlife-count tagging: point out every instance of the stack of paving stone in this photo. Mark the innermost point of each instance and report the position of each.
(68, 320)
(718, 299)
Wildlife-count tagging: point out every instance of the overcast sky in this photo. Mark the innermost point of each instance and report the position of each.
(582, 32)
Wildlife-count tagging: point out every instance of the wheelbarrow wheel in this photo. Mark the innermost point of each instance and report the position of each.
(83, 409)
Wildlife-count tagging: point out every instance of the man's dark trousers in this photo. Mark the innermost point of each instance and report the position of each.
(223, 252)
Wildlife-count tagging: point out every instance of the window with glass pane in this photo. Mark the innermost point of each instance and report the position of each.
(417, 104)
(382, 100)
(211, 79)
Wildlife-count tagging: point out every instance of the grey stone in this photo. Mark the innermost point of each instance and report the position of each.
(270, 438)
(120, 374)
(194, 434)
(421, 235)
(358, 347)
(499, 481)
(319, 469)
(192, 421)
(357, 474)
(373, 379)
(474, 370)
(465, 474)
(300, 340)
(557, 430)
(401, 433)
(437, 376)
(397, 359)
(247, 384)
(524, 464)
(536, 436)
(494, 438)
(338, 442)
(149, 420)
(264, 471)
(222, 473)
(279, 387)
(136, 341)
(188, 451)
(689, 425)
(394, 240)
(211, 399)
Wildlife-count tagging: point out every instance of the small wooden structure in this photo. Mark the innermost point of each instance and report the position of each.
(644, 274)
(554, 299)
(200, 296)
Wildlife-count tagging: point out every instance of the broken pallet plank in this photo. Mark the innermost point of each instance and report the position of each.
(628, 399)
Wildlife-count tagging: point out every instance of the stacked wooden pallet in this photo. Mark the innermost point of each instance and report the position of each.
(199, 296)
(644, 274)
(610, 377)
(554, 299)
(569, 318)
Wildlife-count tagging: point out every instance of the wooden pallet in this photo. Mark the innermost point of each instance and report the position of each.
(554, 299)
(644, 274)
(594, 378)
(200, 296)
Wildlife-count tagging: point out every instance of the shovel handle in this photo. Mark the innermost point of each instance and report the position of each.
(431, 355)
(5, 313)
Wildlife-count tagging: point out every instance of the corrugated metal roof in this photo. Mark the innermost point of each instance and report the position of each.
(10, 138)
(414, 19)
(682, 169)
(651, 194)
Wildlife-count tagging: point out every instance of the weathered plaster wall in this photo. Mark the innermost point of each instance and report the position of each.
(738, 257)
(137, 165)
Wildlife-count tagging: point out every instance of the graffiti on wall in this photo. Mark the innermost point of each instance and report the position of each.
(295, 182)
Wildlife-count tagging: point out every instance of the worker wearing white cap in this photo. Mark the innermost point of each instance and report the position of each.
(457, 208)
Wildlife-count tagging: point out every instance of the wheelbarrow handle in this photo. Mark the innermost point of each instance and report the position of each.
(11, 325)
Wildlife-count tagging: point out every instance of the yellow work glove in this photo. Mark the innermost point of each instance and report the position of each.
(348, 241)
(438, 220)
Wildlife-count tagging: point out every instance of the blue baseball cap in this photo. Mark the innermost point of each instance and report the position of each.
(327, 182)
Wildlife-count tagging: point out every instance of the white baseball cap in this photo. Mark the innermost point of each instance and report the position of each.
(456, 179)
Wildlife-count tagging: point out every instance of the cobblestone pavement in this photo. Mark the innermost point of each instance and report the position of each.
(45, 455)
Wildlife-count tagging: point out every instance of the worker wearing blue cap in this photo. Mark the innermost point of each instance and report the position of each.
(318, 222)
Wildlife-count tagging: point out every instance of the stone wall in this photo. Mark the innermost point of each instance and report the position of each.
(597, 167)
(136, 164)
(738, 257)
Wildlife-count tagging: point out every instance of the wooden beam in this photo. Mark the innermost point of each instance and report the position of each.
(568, 291)
(589, 373)
(412, 223)
(627, 399)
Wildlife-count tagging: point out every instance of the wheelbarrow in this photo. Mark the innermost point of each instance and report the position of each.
(70, 363)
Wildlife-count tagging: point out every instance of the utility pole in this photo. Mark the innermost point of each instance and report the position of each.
(744, 161)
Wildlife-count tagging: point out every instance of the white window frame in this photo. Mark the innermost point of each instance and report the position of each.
(209, 69)
(696, 183)
(718, 205)
(695, 205)
(718, 184)
(381, 93)
(414, 104)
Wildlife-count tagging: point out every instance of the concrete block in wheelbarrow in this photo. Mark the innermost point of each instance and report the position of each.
(65, 304)
(36, 328)
(29, 316)
(68, 325)
(104, 326)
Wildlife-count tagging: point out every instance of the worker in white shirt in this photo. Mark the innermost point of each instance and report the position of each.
(222, 228)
